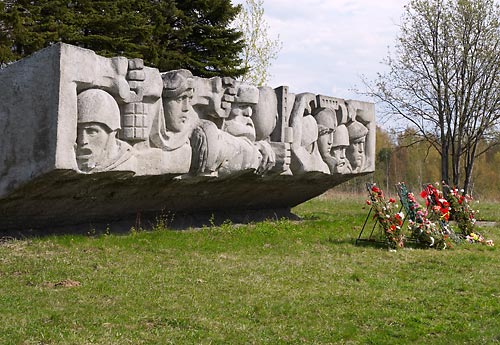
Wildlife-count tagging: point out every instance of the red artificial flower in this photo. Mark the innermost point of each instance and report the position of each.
(368, 202)
(411, 197)
(443, 202)
(392, 200)
(445, 212)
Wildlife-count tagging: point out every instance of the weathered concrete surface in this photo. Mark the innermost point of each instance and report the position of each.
(65, 198)
(93, 140)
(29, 101)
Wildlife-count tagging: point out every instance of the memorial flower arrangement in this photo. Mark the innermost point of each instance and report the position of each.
(425, 231)
(388, 218)
(465, 217)
(436, 202)
(478, 238)
(429, 226)
(462, 213)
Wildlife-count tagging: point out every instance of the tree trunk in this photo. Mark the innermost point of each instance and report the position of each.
(455, 161)
(469, 165)
(444, 162)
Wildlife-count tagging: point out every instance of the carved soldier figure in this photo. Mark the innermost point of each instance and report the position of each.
(327, 125)
(340, 142)
(169, 138)
(305, 151)
(239, 122)
(97, 147)
(356, 150)
(240, 148)
(171, 131)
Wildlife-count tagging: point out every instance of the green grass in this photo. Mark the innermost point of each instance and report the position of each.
(268, 283)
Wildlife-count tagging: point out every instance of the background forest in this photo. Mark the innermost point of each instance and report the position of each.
(405, 157)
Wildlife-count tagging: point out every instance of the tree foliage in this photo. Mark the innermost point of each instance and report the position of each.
(404, 156)
(444, 78)
(260, 50)
(167, 34)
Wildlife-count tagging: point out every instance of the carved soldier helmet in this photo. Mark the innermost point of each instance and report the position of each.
(309, 131)
(356, 130)
(341, 136)
(327, 121)
(176, 82)
(247, 94)
(95, 105)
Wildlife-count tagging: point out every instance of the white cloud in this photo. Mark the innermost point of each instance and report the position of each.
(329, 44)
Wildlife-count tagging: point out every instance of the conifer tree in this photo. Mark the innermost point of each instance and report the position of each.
(167, 34)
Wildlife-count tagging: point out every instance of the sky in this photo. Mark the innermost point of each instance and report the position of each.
(328, 45)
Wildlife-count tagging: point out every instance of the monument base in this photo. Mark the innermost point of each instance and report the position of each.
(64, 200)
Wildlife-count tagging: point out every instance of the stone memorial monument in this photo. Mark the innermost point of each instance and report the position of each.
(88, 140)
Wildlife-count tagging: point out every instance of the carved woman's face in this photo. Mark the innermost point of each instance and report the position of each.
(239, 122)
(177, 111)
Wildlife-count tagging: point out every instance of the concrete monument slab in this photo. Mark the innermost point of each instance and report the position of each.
(88, 139)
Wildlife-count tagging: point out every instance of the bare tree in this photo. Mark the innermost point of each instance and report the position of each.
(444, 78)
(260, 50)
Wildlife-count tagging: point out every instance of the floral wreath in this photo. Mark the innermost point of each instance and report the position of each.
(390, 221)
(428, 226)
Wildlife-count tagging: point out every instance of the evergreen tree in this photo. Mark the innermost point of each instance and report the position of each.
(167, 34)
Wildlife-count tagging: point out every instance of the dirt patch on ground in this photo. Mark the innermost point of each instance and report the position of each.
(67, 283)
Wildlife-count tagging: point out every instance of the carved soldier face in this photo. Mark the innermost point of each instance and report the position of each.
(239, 122)
(356, 153)
(325, 143)
(92, 144)
(178, 110)
(338, 153)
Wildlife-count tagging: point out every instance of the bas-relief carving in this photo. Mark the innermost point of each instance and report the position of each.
(114, 138)
(97, 147)
(218, 127)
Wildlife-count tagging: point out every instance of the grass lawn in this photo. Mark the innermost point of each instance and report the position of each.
(268, 283)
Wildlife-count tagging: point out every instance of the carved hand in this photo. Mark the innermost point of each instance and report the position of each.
(199, 145)
(268, 157)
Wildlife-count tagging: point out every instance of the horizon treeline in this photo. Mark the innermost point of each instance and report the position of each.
(405, 157)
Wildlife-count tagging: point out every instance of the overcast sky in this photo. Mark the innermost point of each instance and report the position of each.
(329, 44)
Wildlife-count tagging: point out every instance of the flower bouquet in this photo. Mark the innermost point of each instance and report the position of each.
(388, 218)
(423, 230)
